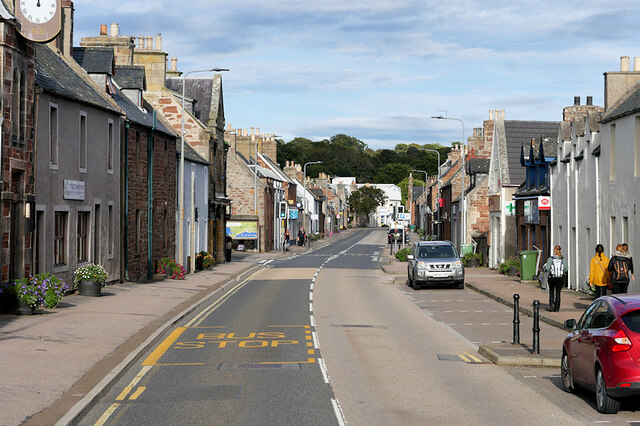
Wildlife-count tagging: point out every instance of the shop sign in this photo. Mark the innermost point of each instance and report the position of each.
(544, 202)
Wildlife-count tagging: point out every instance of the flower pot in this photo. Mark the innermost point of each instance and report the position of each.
(89, 288)
(24, 309)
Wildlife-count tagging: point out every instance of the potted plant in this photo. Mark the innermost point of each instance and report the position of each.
(472, 260)
(510, 267)
(171, 267)
(204, 260)
(40, 290)
(89, 279)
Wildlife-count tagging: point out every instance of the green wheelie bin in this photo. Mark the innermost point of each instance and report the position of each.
(528, 264)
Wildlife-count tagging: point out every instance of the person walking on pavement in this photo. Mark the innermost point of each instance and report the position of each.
(557, 267)
(287, 239)
(301, 236)
(598, 272)
(621, 268)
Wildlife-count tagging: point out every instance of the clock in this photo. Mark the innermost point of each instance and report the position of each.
(38, 11)
(40, 19)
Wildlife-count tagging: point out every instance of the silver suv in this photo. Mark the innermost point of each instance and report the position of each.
(434, 262)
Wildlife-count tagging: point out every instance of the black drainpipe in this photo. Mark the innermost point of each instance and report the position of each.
(125, 236)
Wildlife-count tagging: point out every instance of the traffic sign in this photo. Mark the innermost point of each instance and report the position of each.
(402, 216)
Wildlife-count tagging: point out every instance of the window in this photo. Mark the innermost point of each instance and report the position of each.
(585, 321)
(602, 317)
(83, 142)
(612, 153)
(110, 146)
(110, 229)
(53, 134)
(15, 108)
(59, 239)
(23, 110)
(82, 240)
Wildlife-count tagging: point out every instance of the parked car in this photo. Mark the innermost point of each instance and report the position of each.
(434, 262)
(395, 234)
(602, 352)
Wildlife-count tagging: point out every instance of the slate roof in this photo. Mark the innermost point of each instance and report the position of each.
(130, 77)
(190, 154)
(520, 132)
(95, 60)
(628, 106)
(137, 115)
(206, 91)
(57, 75)
(477, 165)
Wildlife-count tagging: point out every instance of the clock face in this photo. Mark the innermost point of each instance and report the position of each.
(38, 11)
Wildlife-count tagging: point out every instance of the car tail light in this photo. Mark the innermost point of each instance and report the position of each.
(621, 342)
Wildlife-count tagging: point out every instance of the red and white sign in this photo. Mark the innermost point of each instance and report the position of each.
(544, 202)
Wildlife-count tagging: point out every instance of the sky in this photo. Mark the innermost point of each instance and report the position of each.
(378, 70)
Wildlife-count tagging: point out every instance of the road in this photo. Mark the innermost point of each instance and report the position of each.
(325, 338)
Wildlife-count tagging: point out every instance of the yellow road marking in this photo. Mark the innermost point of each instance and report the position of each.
(137, 393)
(182, 363)
(309, 344)
(464, 358)
(290, 325)
(473, 357)
(124, 393)
(160, 350)
(105, 416)
(200, 317)
(311, 351)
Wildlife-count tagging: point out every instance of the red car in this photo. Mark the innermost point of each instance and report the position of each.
(602, 353)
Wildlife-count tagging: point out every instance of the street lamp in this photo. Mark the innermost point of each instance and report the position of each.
(304, 187)
(463, 210)
(181, 188)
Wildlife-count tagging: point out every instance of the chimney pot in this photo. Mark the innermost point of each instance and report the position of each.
(576, 100)
(624, 63)
(159, 42)
(252, 130)
(115, 29)
(636, 64)
(589, 100)
(490, 114)
(103, 29)
(174, 64)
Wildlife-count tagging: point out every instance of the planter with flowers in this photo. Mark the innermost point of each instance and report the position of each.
(89, 279)
(40, 290)
(171, 268)
(204, 260)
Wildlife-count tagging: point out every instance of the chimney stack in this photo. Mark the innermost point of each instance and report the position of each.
(624, 63)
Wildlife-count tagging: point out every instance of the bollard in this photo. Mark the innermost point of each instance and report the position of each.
(536, 326)
(516, 319)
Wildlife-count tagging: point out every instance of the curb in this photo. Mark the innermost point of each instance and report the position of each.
(520, 361)
(526, 311)
(90, 400)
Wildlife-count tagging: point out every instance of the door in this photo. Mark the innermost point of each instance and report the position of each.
(594, 338)
(96, 235)
(578, 341)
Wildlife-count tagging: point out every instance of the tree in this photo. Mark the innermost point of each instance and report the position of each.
(392, 173)
(404, 188)
(365, 200)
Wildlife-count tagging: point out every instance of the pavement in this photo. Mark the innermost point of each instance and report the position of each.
(57, 363)
(501, 288)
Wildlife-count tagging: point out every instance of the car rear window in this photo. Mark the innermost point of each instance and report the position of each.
(632, 320)
(435, 252)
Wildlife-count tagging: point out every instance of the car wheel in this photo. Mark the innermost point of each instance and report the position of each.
(565, 372)
(409, 281)
(461, 285)
(604, 403)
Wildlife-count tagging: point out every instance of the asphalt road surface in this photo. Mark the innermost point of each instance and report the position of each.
(325, 338)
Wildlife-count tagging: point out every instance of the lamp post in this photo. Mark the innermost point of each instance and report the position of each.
(181, 188)
(304, 186)
(463, 210)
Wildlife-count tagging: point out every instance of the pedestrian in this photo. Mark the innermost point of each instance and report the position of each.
(227, 248)
(557, 267)
(287, 239)
(621, 268)
(301, 237)
(598, 273)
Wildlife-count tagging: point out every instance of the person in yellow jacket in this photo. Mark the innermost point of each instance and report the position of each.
(598, 272)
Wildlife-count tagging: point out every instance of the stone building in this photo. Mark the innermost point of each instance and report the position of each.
(17, 149)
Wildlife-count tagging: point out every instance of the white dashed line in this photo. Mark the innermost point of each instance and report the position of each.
(310, 307)
(323, 369)
(316, 342)
(313, 321)
(338, 411)
(447, 311)
(311, 296)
